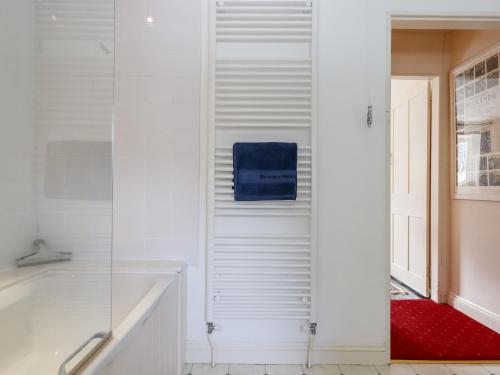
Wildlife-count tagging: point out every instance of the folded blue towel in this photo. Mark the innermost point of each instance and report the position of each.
(265, 171)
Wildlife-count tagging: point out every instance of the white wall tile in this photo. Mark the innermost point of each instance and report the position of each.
(157, 126)
(128, 171)
(130, 135)
(50, 225)
(17, 131)
(159, 214)
(101, 226)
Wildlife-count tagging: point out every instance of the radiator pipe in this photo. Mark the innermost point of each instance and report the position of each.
(210, 330)
(312, 334)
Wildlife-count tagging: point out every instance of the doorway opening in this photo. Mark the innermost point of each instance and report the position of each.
(438, 307)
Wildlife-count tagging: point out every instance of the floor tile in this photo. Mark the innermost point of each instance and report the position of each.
(357, 370)
(431, 369)
(395, 369)
(246, 369)
(492, 369)
(284, 370)
(322, 370)
(468, 370)
(209, 370)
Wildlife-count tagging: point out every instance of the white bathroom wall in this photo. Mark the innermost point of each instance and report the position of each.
(157, 129)
(73, 121)
(157, 189)
(17, 224)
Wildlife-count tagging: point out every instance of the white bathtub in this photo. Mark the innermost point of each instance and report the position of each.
(148, 322)
(46, 313)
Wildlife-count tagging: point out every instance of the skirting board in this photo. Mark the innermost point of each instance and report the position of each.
(486, 317)
(283, 353)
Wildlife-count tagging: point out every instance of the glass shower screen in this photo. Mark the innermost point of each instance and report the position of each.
(56, 100)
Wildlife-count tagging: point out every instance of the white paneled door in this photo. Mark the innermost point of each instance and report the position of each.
(410, 145)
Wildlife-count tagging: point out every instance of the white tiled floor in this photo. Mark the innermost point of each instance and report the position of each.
(395, 369)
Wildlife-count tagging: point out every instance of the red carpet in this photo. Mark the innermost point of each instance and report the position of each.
(423, 329)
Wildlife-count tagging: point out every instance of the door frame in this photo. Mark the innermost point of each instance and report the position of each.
(432, 183)
(430, 20)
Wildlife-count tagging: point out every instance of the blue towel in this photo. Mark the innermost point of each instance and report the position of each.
(265, 171)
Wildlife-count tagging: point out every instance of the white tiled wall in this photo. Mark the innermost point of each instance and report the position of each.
(157, 97)
(56, 88)
(17, 225)
(73, 120)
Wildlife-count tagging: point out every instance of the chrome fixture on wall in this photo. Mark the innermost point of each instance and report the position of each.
(42, 255)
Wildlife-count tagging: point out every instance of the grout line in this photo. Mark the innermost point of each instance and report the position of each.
(449, 369)
(415, 371)
(487, 370)
(410, 367)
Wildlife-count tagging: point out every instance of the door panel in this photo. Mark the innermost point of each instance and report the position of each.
(410, 123)
(418, 150)
(400, 149)
(400, 252)
(416, 243)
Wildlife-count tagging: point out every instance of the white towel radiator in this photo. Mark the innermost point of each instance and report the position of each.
(261, 255)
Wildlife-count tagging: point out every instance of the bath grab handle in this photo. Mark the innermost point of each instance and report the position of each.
(62, 368)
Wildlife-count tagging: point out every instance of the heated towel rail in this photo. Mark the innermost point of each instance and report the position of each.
(261, 255)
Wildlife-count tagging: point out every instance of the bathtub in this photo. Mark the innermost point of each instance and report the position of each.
(48, 311)
(45, 313)
(148, 322)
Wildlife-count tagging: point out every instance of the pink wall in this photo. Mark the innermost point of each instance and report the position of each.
(425, 53)
(475, 225)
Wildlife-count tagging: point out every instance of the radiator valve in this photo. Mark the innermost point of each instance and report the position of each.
(312, 328)
(210, 327)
